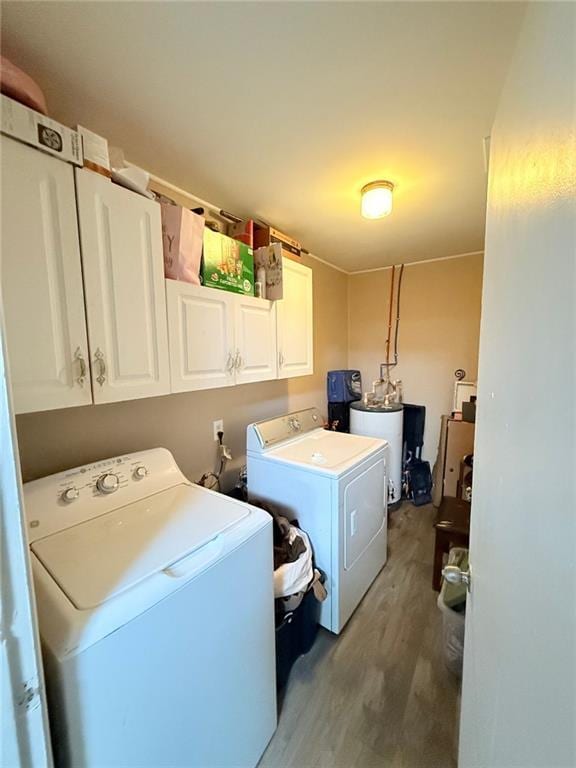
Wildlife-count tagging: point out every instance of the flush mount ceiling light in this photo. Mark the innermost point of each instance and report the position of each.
(377, 199)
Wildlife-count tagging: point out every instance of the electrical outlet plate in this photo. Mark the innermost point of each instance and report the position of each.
(218, 427)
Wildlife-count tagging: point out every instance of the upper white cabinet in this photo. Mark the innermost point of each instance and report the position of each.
(201, 333)
(121, 238)
(255, 326)
(42, 281)
(218, 338)
(295, 322)
(89, 317)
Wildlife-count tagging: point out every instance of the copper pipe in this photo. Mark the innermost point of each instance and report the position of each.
(390, 318)
(398, 314)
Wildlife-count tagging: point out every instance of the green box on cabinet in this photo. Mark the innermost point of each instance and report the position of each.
(227, 264)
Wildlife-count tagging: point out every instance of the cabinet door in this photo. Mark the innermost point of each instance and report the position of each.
(121, 237)
(255, 328)
(201, 333)
(295, 329)
(42, 281)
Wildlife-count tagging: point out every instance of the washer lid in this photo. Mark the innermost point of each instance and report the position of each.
(328, 452)
(97, 560)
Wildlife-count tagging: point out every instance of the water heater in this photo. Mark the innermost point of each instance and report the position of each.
(385, 422)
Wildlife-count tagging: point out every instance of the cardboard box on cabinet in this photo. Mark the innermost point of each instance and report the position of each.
(95, 151)
(39, 131)
(264, 235)
(227, 264)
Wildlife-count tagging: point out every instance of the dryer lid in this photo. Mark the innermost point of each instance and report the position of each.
(97, 560)
(328, 452)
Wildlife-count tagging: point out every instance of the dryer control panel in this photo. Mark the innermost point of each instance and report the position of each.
(75, 495)
(265, 434)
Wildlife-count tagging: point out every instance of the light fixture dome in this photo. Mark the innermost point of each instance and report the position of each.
(377, 199)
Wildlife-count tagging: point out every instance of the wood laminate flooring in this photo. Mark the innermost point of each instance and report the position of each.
(377, 696)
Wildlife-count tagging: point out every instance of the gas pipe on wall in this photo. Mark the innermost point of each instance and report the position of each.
(380, 412)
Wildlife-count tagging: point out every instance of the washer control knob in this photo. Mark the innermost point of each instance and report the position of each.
(140, 472)
(107, 483)
(70, 494)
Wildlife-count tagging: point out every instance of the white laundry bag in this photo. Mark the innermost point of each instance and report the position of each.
(291, 578)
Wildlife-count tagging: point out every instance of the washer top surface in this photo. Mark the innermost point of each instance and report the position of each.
(298, 438)
(104, 553)
(102, 557)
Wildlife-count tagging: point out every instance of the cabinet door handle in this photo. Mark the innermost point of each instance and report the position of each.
(230, 362)
(79, 357)
(238, 361)
(99, 361)
(281, 359)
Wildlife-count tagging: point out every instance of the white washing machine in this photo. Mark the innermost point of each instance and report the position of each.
(155, 604)
(335, 485)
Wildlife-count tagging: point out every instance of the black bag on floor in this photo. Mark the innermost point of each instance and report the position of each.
(419, 482)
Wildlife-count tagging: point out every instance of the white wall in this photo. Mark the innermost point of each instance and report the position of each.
(519, 692)
(439, 330)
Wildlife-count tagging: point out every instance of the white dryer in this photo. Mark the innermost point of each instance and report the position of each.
(155, 606)
(335, 485)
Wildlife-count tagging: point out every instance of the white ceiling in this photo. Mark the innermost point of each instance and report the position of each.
(285, 109)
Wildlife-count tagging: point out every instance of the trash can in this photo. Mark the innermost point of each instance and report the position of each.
(452, 605)
(298, 591)
(296, 632)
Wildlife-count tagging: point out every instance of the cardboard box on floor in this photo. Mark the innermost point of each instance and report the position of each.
(456, 440)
